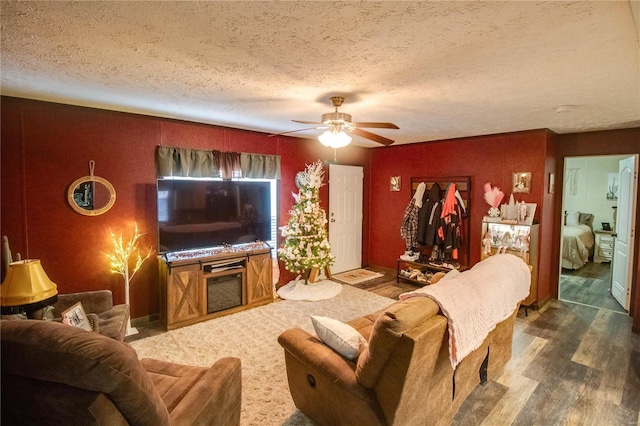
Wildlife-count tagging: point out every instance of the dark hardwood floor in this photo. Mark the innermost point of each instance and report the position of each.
(589, 285)
(572, 364)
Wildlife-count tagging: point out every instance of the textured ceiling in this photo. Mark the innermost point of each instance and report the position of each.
(438, 70)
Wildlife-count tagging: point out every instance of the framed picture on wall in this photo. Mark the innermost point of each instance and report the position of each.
(521, 182)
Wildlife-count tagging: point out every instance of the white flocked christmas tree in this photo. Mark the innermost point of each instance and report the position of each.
(305, 245)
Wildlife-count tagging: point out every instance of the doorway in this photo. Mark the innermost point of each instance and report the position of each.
(345, 216)
(589, 202)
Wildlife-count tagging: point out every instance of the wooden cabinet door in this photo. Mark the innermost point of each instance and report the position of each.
(184, 294)
(259, 281)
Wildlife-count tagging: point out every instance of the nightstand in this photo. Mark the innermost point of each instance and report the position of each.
(604, 246)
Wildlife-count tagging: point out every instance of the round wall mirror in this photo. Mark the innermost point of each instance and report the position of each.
(91, 195)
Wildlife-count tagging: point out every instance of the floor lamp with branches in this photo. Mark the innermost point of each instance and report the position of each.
(120, 259)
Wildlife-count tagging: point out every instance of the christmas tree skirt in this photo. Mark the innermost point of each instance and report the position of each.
(319, 290)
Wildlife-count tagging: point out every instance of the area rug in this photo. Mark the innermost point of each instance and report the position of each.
(319, 290)
(252, 335)
(356, 276)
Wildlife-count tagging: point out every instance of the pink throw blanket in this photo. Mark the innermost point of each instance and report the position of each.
(476, 300)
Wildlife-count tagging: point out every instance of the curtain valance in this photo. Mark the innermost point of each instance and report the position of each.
(184, 162)
(260, 166)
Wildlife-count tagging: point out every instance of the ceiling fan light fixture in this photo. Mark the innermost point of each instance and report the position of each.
(340, 125)
(334, 139)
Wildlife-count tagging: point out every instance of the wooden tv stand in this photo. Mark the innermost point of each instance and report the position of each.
(188, 279)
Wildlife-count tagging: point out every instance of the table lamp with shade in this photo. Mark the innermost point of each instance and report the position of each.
(27, 289)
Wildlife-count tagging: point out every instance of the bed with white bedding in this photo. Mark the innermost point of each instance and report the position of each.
(577, 240)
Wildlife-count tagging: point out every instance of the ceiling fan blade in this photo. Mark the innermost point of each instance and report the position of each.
(372, 136)
(371, 125)
(294, 131)
(307, 122)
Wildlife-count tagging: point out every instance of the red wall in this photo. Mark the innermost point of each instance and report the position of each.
(47, 146)
(550, 224)
(485, 159)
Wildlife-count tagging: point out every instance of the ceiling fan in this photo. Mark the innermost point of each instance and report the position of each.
(339, 123)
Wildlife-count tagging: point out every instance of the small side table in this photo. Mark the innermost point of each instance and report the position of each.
(604, 246)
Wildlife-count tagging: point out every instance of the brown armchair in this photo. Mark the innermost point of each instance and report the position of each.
(107, 319)
(57, 374)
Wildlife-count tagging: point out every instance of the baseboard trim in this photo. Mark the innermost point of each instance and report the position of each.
(543, 302)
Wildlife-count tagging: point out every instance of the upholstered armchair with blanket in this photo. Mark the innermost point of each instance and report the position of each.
(412, 370)
(53, 373)
(106, 319)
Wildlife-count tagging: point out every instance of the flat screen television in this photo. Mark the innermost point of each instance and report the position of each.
(200, 213)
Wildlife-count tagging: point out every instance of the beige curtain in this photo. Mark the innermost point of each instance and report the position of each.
(172, 161)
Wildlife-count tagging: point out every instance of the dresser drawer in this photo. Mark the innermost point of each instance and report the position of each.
(606, 253)
(604, 245)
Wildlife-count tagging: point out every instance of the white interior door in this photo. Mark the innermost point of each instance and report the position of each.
(623, 249)
(345, 216)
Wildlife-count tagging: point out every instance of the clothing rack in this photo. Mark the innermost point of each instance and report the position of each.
(463, 185)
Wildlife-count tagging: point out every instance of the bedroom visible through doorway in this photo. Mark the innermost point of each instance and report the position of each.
(589, 202)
